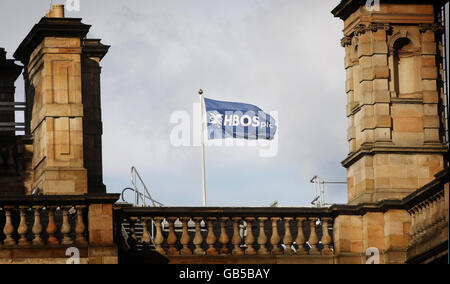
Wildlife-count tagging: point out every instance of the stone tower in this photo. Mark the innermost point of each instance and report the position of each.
(62, 82)
(395, 97)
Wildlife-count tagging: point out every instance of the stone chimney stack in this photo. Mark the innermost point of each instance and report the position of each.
(65, 117)
(9, 72)
(93, 53)
(394, 91)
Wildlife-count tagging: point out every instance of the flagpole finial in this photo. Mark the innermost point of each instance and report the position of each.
(200, 92)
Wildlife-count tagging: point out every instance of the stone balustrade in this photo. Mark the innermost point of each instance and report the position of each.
(40, 225)
(427, 218)
(229, 231)
(428, 208)
(39, 221)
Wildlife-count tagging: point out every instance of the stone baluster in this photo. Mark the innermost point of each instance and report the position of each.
(198, 238)
(51, 226)
(275, 239)
(37, 227)
(425, 218)
(22, 230)
(172, 237)
(146, 238)
(224, 239)
(262, 238)
(159, 238)
(211, 237)
(418, 213)
(236, 240)
(300, 240)
(80, 227)
(65, 227)
(443, 219)
(288, 240)
(8, 229)
(185, 238)
(427, 223)
(313, 239)
(434, 213)
(326, 238)
(421, 223)
(412, 229)
(250, 238)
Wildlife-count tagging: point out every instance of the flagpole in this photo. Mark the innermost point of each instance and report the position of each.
(203, 148)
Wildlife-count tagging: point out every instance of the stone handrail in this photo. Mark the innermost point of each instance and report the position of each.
(229, 231)
(29, 221)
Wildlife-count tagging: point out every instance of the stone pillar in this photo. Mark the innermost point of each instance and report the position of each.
(55, 58)
(102, 249)
(394, 94)
(396, 236)
(348, 239)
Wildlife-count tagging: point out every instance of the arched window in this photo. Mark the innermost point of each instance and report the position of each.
(406, 75)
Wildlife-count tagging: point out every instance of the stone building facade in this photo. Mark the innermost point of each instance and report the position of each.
(52, 196)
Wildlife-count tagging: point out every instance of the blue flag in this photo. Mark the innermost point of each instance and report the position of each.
(238, 120)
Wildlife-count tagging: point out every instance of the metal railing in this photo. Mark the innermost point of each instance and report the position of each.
(12, 107)
(140, 196)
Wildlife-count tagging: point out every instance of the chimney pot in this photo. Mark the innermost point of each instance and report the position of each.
(57, 11)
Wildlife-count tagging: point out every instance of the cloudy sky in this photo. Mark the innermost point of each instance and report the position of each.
(282, 55)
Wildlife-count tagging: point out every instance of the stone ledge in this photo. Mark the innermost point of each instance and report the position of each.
(392, 149)
(257, 259)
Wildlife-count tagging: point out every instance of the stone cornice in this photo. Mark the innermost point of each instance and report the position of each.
(346, 40)
(373, 149)
(361, 29)
(94, 48)
(348, 7)
(431, 27)
(50, 27)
